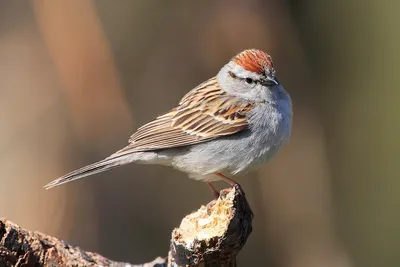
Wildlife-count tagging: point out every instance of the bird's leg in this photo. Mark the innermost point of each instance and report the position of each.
(226, 179)
(213, 190)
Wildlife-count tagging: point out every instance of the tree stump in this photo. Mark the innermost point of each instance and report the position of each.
(211, 236)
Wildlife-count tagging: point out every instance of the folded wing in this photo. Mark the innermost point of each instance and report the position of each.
(203, 114)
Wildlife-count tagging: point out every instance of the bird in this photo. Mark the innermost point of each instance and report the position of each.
(230, 124)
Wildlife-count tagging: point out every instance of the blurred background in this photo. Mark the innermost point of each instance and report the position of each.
(78, 77)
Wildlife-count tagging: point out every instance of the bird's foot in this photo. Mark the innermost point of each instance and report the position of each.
(226, 179)
(213, 190)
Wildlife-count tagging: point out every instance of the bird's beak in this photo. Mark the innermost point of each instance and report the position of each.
(271, 81)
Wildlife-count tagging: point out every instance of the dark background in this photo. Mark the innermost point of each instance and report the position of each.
(78, 77)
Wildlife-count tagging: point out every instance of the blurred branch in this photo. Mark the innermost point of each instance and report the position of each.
(214, 234)
(74, 36)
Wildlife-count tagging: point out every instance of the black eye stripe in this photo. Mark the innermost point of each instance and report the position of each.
(247, 79)
(232, 75)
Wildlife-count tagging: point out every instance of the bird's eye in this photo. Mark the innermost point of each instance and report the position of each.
(249, 80)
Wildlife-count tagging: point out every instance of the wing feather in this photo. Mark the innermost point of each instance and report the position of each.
(203, 114)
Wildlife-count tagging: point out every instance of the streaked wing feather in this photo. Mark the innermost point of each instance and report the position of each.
(203, 114)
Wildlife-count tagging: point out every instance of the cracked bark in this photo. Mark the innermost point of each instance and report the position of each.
(211, 236)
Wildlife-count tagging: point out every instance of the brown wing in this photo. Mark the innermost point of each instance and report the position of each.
(204, 113)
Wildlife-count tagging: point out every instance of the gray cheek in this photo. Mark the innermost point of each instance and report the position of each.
(246, 88)
(255, 92)
(240, 88)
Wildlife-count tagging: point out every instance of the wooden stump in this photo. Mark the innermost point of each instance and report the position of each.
(211, 236)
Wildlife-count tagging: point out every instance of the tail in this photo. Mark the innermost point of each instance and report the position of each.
(100, 166)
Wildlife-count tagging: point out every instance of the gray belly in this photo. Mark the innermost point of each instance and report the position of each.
(229, 155)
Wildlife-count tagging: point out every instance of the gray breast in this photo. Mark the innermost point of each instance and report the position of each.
(239, 152)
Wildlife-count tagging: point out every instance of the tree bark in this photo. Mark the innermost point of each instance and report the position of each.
(211, 236)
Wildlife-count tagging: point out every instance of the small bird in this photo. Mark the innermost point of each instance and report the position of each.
(227, 125)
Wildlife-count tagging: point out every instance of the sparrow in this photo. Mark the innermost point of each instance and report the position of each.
(227, 125)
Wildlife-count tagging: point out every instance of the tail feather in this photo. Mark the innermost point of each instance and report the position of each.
(97, 167)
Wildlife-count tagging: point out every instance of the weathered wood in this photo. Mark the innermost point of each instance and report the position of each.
(213, 235)
(19, 247)
(210, 236)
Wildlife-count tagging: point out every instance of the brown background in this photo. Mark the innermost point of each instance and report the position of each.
(78, 77)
